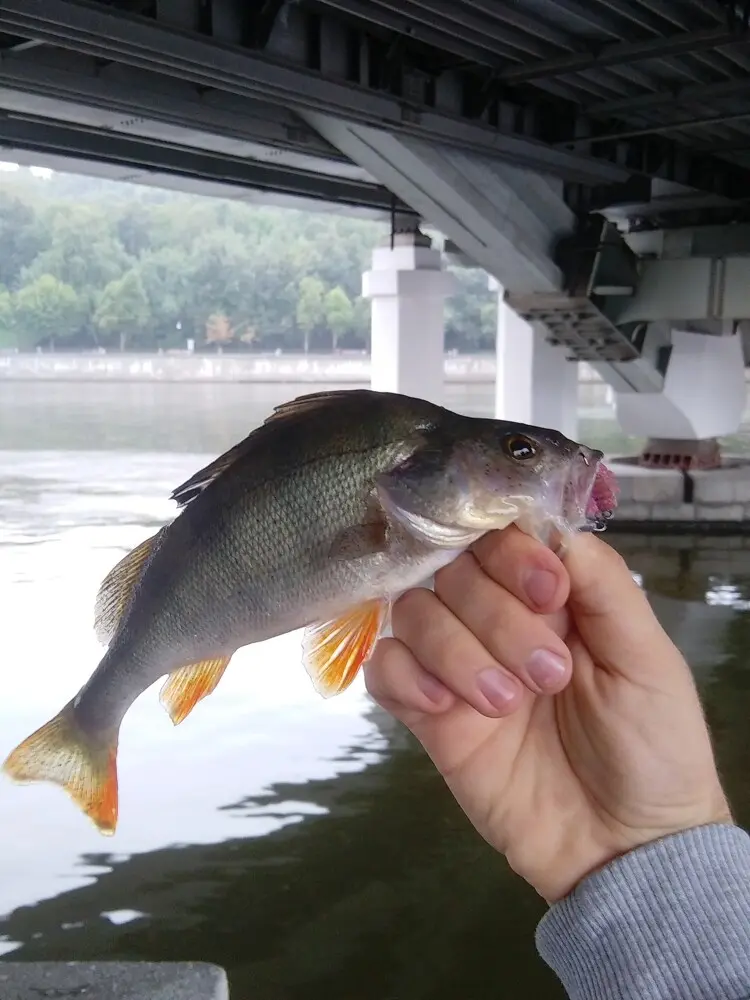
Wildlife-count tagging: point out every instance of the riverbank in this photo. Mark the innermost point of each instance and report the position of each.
(186, 367)
(182, 366)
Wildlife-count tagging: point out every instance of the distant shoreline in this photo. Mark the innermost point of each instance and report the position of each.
(225, 368)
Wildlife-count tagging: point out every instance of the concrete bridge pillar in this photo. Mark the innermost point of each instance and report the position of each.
(535, 384)
(407, 287)
(702, 399)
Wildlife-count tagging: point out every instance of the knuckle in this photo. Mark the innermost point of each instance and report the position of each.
(506, 552)
(414, 603)
(447, 577)
(559, 623)
(373, 683)
(378, 668)
(492, 551)
(443, 578)
(500, 638)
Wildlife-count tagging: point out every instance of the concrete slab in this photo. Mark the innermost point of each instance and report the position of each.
(705, 500)
(648, 485)
(113, 980)
(728, 485)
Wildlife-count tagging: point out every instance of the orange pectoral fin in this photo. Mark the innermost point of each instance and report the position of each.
(334, 651)
(185, 687)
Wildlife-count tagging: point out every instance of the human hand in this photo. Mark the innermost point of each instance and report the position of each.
(618, 756)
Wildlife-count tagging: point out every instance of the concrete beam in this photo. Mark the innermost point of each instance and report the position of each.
(124, 99)
(113, 980)
(504, 218)
(144, 155)
(690, 289)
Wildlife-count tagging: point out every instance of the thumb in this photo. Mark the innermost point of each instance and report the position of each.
(612, 614)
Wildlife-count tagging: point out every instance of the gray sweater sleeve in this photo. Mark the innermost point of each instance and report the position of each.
(669, 921)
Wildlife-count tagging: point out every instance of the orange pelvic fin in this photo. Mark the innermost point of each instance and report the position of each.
(185, 687)
(61, 752)
(334, 651)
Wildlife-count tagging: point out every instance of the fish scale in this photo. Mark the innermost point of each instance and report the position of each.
(318, 519)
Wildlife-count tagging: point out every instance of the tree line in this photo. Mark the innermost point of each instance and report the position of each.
(88, 263)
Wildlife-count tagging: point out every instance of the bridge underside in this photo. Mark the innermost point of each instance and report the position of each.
(516, 130)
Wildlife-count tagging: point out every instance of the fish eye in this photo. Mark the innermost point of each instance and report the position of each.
(519, 447)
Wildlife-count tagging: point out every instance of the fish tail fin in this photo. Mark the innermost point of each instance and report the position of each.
(85, 765)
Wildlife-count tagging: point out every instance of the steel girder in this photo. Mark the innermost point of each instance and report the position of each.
(144, 43)
(110, 147)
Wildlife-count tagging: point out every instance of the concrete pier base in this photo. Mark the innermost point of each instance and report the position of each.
(678, 500)
(113, 980)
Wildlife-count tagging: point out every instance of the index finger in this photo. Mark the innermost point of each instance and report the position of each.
(524, 567)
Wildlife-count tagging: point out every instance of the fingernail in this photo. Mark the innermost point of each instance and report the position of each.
(541, 585)
(432, 687)
(498, 688)
(545, 668)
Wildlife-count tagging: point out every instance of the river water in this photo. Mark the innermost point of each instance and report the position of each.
(306, 846)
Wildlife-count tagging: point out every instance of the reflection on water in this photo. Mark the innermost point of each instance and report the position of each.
(305, 845)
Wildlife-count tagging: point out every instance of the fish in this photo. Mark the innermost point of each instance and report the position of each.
(339, 502)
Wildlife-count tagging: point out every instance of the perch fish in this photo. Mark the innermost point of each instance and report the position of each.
(320, 517)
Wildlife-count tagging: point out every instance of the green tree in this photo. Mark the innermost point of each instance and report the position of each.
(362, 322)
(471, 313)
(20, 238)
(133, 227)
(310, 307)
(45, 309)
(7, 334)
(123, 308)
(165, 277)
(339, 314)
(221, 278)
(281, 277)
(83, 249)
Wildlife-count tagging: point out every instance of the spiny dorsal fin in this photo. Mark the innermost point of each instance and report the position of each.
(117, 588)
(197, 483)
(194, 486)
(316, 401)
(185, 687)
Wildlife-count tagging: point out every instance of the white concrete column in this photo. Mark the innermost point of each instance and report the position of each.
(703, 395)
(535, 384)
(407, 287)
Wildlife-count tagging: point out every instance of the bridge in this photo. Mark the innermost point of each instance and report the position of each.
(592, 155)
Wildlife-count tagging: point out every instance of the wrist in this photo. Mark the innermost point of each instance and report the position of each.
(578, 856)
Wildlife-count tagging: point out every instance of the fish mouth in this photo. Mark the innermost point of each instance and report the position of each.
(590, 495)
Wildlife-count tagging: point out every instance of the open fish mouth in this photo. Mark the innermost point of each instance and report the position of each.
(591, 492)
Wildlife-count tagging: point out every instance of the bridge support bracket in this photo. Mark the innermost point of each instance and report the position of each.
(686, 456)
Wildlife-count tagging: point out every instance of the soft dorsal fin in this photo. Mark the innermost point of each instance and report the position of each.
(117, 589)
(309, 403)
